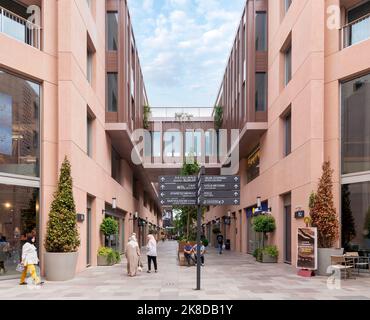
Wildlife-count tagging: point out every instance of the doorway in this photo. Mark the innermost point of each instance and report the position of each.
(287, 229)
(88, 231)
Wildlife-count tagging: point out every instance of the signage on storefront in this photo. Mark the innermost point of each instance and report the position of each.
(299, 214)
(307, 248)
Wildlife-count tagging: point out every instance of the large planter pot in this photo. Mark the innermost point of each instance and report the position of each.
(324, 259)
(266, 258)
(60, 266)
(103, 262)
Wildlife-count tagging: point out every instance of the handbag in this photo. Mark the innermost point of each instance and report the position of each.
(20, 267)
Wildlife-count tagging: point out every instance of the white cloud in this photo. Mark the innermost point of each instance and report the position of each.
(184, 46)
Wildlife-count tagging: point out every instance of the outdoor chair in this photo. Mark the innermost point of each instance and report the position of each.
(340, 263)
(358, 262)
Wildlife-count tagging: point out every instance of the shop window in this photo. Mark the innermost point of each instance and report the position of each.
(253, 165)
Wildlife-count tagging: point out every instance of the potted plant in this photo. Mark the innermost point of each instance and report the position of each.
(324, 218)
(270, 254)
(265, 224)
(62, 238)
(108, 257)
(109, 227)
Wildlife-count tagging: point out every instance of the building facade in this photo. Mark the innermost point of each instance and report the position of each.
(70, 86)
(302, 79)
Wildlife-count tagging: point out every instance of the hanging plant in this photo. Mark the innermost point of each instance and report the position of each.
(218, 117)
(147, 112)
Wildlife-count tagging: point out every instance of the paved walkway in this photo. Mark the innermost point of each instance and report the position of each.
(227, 276)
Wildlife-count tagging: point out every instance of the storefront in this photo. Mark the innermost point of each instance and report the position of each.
(355, 207)
(254, 238)
(117, 242)
(19, 168)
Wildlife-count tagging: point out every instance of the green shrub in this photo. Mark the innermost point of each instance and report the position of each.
(271, 251)
(109, 227)
(257, 254)
(218, 117)
(62, 233)
(112, 256)
(264, 224)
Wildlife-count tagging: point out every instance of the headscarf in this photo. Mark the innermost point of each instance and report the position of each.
(151, 239)
(134, 237)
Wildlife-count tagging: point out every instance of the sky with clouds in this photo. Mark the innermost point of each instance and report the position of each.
(183, 47)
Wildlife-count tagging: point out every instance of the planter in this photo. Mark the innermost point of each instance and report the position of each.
(60, 266)
(103, 262)
(266, 258)
(324, 259)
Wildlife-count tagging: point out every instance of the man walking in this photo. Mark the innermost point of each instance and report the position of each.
(220, 242)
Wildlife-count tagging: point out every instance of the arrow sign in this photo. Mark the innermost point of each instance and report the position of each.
(221, 186)
(178, 194)
(220, 194)
(178, 187)
(220, 202)
(177, 179)
(179, 202)
(220, 179)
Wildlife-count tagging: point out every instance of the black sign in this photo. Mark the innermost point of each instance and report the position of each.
(178, 194)
(221, 186)
(299, 214)
(219, 202)
(220, 179)
(177, 179)
(179, 202)
(178, 187)
(220, 194)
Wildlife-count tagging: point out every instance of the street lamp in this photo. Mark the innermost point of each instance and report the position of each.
(259, 205)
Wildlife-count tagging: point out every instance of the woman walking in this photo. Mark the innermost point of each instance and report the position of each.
(152, 253)
(29, 261)
(132, 256)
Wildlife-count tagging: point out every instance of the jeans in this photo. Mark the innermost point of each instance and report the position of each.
(150, 259)
(201, 258)
(220, 245)
(188, 257)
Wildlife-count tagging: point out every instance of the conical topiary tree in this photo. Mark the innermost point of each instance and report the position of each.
(348, 221)
(62, 234)
(323, 213)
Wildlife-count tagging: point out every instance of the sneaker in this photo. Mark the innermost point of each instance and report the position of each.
(148, 271)
(156, 271)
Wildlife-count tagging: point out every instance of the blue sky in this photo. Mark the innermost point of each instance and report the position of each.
(183, 47)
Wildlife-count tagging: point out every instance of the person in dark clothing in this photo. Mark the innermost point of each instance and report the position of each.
(220, 242)
(188, 253)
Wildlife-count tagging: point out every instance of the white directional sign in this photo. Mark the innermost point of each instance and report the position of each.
(220, 202)
(221, 186)
(220, 179)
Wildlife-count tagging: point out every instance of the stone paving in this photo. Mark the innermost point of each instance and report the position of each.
(231, 276)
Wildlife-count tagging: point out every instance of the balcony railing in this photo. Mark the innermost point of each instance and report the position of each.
(356, 31)
(20, 28)
(173, 112)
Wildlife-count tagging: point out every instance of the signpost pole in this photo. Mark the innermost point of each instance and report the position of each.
(199, 226)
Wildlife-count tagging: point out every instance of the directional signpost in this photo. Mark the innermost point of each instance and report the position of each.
(199, 191)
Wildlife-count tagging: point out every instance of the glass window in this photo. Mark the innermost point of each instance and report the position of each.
(89, 67)
(89, 136)
(112, 92)
(19, 125)
(193, 143)
(116, 166)
(288, 65)
(18, 220)
(288, 134)
(156, 144)
(287, 4)
(356, 216)
(356, 125)
(112, 31)
(261, 91)
(172, 144)
(261, 31)
(211, 142)
(253, 165)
